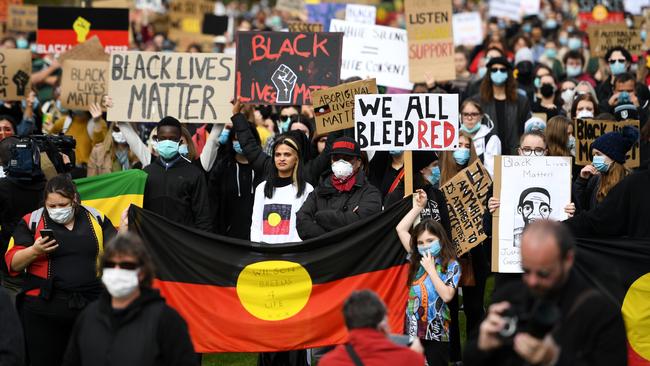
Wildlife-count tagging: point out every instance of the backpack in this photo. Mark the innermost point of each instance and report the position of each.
(24, 160)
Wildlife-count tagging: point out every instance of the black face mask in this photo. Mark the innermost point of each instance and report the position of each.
(547, 90)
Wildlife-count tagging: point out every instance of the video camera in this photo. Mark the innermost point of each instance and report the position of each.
(538, 321)
(54, 144)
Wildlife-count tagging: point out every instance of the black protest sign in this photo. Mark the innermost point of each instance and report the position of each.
(192, 87)
(15, 69)
(83, 83)
(586, 131)
(214, 24)
(284, 68)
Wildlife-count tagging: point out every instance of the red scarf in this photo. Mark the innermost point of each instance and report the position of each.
(344, 185)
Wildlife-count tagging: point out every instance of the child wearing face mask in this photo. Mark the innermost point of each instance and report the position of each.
(607, 168)
(434, 275)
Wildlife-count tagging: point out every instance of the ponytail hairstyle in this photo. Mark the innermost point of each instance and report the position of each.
(296, 177)
(447, 251)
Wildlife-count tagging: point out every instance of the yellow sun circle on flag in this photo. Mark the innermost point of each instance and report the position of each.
(636, 313)
(274, 219)
(274, 290)
(599, 12)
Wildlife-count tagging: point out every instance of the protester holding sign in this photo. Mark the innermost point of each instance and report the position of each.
(112, 155)
(481, 128)
(451, 162)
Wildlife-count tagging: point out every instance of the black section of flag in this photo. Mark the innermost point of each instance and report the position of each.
(99, 18)
(214, 24)
(319, 111)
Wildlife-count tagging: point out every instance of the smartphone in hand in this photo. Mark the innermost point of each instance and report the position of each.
(47, 234)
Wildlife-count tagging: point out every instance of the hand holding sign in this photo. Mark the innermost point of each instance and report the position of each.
(82, 27)
(20, 79)
(284, 80)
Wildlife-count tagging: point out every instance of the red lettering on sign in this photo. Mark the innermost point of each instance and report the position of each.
(320, 45)
(449, 132)
(422, 129)
(434, 136)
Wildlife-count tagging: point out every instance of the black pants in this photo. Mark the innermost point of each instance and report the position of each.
(47, 325)
(287, 358)
(436, 353)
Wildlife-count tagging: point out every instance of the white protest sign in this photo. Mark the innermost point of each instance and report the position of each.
(636, 6)
(374, 51)
(468, 30)
(153, 5)
(530, 188)
(365, 14)
(507, 9)
(530, 7)
(406, 121)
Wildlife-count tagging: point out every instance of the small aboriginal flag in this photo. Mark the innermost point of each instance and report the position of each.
(277, 218)
(319, 111)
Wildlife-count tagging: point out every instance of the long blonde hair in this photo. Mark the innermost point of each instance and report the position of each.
(448, 165)
(557, 136)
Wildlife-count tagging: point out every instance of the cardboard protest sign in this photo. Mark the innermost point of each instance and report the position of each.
(127, 4)
(530, 188)
(365, 2)
(22, 18)
(365, 14)
(15, 69)
(334, 107)
(291, 6)
(214, 24)
(430, 39)
(587, 131)
(4, 8)
(184, 39)
(91, 50)
(305, 27)
(187, 15)
(468, 30)
(374, 51)
(406, 121)
(466, 195)
(506, 9)
(286, 67)
(83, 83)
(192, 87)
(323, 13)
(605, 36)
(71, 26)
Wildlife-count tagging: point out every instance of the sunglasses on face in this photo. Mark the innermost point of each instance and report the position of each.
(499, 69)
(470, 115)
(122, 265)
(620, 61)
(348, 158)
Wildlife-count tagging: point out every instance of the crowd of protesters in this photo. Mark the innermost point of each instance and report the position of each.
(226, 179)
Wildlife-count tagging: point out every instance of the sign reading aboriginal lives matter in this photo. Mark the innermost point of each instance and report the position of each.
(83, 83)
(588, 130)
(602, 37)
(15, 69)
(284, 68)
(305, 27)
(192, 87)
(59, 29)
(466, 196)
(406, 121)
(22, 18)
(334, 107)
(430, 39)
(374, 51)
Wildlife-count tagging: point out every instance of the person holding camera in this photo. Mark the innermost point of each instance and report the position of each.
(551, 317)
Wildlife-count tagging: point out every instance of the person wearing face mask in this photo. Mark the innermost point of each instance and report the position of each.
(344, 195)
(452, 162)
(619, 61)
(130, 321)
(60, 265)
(475, 84)
(481, 128)
(607, 168)
(112, 155)
(567, 92)
(584, 106)
(434, 274)
(548, 103)
(176, 188)
(574, 62)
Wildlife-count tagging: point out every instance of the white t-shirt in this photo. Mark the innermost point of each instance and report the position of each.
(274, 219)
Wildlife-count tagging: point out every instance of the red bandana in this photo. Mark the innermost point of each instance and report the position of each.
(344, 185)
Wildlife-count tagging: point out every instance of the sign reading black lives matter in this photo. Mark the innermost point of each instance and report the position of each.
(192, 87)
(15, 69)
(284, 68)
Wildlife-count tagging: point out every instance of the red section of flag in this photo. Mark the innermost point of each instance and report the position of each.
(280, 229)
(108, 38)
(218, 322)
(635, 359)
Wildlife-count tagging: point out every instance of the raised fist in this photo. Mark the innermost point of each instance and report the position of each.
(284, 80)
(20, 79)
(81, 26)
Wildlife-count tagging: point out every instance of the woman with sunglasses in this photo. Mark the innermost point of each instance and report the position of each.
(130, 322)
(58, 246)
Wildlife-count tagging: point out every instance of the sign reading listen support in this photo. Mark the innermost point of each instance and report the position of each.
(284, 68)
(15, 68)
(430, 39)
(588, 130)
(334, 107)
(406, 121)
(192, 87)
(83, 83)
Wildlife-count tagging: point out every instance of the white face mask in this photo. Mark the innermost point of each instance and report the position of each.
(61, 215)
(342, 169)
(567, 95)
(120, 282)
(118, 137)
(584, 113)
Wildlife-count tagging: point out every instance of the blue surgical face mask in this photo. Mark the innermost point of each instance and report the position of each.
(284, 125)
(644, 35)
(550, 53)
(167, 149)
(574, 43)
(237, 147)
(471, 130)
(461, 156)
(527, 28)
(498, 77)
(434, 178)
(482, 71)
(183, 150)
(563, 41)
(571, 144)
(22, 43)
(434, 249)
(537, 82)
(600, 164)
(617, 68)
(550, 24)
(573, 71)
(395, 152)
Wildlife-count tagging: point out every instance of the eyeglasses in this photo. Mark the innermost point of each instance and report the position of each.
(620, 61)
(470, 115)
(123, 265)
(527, 151)
(499, 69)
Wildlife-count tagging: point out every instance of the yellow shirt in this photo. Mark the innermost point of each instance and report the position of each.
(79, 130)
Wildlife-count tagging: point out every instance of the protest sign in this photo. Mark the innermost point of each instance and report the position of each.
(214, 24)
(4, 8)
(605, 36)
(71, 26)
(91, 50)
(284, 68)
(153, 5)
(22, 18)
(127, 4)
(365, 14)
(468, 29)
(334, 107)
(187, 15)
(83, 83)
(184, 39)
(364, 2)
(15, 69)
(192, 87)
(466, 196)
(635, 6)
(530, 7)
(323, 13)
(305, 27)
(406, 121)
(588, 130)
(291, 6)
(430, 39)
(530, 188)
(506, 9)
(374, 51)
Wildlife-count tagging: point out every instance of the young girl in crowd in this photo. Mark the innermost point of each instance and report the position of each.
(112, 155)
(480, 127)
(584, 106)
(433, 278)
(453, 162)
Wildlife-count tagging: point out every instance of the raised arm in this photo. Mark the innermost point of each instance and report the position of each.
(404, 226)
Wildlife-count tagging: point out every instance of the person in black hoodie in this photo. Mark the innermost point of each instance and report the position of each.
(130, 324)
(12, 347)
(176, 188)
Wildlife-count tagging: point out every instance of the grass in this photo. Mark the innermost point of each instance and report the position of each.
(247, 359)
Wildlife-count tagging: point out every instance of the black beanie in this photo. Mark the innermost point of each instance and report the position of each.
(617, 144)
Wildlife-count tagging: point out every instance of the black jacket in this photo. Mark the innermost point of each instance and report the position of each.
(17, 199)
(147, 332)
(512, 127)
(179, 193)
(605, 90)
(327, 209)
(585, 192)
(12, 347)
(590, 331)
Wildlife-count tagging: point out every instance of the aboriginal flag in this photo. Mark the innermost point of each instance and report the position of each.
(277, 219)
(60, 28)
(620, 269)
(240, 296)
